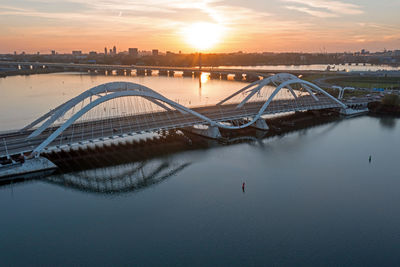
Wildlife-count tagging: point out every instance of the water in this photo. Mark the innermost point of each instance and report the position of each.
(319, 67)
(311, 198)
(25, 98)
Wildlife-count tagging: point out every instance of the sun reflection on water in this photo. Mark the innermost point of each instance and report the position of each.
(205, 76)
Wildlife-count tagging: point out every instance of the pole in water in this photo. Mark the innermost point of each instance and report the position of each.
(243, 186)
(370, 158)
(200, 70)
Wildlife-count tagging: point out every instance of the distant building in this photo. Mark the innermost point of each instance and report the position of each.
(105, 51)
(114, 50)
(145, 53)
(53, 52)
(92, 53)
(133, 52)
(364, 52)
(77, 53)
(154, 52)
(111, 52)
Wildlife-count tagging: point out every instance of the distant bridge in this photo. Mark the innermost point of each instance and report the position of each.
(123, 109)
(140, 70)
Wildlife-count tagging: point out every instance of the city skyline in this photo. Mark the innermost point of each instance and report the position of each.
(253, 26)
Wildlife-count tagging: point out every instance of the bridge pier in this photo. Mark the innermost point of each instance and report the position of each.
(260, 124)
(251, 78)
(215, 75)
(149, 72)
(196, 74)
(224, 76)
(162, 73)
(101, 72)
(171, 73)
(140, 72)
(209, 132)
(238, 77)
(187, 74)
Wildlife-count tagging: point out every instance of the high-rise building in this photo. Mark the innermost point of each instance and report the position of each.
(154, 52)
(111, 52)
(114, 50)
(53, 52)
(105, 51)
(133, 52)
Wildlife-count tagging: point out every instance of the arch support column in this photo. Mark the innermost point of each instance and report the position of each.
(209, 132)
(261, 124)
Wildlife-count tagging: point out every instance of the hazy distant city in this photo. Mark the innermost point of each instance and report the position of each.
(168, 58)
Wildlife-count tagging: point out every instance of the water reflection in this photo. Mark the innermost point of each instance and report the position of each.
(119, 179)
(388, 122)
(204, 77)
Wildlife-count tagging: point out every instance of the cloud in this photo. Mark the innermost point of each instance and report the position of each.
(312, 12)
(325, 7)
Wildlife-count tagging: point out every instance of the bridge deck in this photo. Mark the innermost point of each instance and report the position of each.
(17, 142)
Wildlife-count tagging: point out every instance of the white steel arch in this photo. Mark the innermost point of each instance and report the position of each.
(111, 87)
(277, 78)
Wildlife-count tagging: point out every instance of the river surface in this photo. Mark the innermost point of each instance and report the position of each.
(319, 67)
(312, 198)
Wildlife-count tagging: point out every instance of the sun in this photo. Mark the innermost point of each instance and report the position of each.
(203, 35)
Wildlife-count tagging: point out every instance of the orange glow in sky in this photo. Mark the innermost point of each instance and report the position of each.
(199, 25)
(203, 35)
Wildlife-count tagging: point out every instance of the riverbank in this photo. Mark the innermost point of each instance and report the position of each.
(378, 108)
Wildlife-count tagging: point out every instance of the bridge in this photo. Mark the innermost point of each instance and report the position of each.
(140, 70)
(123, 109)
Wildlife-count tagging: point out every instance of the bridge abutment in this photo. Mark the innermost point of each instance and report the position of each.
(353, 112)
(209, 132)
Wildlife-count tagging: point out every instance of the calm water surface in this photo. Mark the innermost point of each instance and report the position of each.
(320, 67)
(311, 198)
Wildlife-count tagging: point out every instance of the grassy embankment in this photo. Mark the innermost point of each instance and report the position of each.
(358, 82)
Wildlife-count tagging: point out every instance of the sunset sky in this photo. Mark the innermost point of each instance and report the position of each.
(247, 25)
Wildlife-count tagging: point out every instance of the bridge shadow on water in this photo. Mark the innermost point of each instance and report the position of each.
(129, 167)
